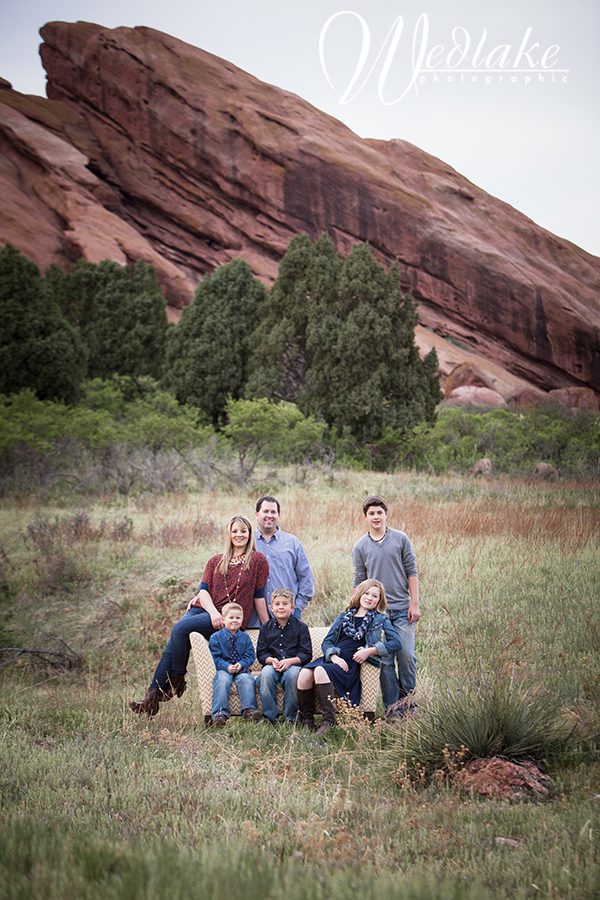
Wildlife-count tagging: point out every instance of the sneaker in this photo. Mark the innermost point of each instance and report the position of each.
(252, 715)
(218, 721)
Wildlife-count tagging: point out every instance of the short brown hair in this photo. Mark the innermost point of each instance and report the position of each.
(374, 500)
(362, 588)
(268, 499)
(231, 605)
(283, 592)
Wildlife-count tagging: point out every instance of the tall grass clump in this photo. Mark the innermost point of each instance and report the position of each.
(493, 718)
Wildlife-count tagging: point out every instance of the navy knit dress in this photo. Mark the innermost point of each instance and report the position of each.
(347, 684)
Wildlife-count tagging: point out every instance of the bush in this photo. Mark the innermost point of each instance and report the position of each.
(260, 429)
(514, 441)
(494, 718)
(125, 434)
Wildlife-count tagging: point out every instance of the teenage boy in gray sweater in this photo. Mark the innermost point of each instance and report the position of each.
(386, 554)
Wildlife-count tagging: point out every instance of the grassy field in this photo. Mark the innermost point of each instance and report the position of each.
(97, 803)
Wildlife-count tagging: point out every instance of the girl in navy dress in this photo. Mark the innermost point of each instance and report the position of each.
(354, 638)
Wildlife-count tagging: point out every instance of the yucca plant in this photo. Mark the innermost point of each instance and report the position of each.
(496, 717)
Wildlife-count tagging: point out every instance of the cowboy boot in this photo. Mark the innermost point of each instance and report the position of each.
(149, 705)
(176, 686)
(306, 708)
(325, 693)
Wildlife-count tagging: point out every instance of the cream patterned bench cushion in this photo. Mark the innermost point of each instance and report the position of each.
(205, 672)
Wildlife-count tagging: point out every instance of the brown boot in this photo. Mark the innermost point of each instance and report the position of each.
(149, 705)
(177, 686)
(325, 693)
(306, 707)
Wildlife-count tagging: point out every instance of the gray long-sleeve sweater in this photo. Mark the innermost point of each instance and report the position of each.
(391, 561)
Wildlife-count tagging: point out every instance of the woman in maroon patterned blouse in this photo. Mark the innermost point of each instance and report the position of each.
(239, 573)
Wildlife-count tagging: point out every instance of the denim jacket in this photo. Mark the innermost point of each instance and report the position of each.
(220, 649)
(390, 644)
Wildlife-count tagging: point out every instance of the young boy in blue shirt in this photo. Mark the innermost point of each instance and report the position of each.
(233, 654)
(283, 647)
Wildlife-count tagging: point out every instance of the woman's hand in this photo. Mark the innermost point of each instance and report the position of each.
(362, 654)
(216, 620)
(338, 661)
(193, 602)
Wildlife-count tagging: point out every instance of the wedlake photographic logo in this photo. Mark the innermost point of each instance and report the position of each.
(462, 60)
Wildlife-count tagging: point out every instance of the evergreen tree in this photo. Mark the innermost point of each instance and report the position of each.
(39, 348)
(280, 336)
(120, 312)
(208, 351)
(339, 337)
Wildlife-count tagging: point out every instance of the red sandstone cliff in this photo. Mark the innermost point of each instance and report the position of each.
(150, 148)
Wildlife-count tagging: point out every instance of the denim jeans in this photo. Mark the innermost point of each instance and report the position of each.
(269, 679)
(394, 686)
(177, 652)
(246, 688)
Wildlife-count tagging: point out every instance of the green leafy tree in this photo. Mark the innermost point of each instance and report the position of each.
(260, 429)
(120, 312)
(208, 351)
(39, 348)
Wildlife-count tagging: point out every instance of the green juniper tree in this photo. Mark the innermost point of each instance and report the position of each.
(339, 337)
(280, 336)
(120, 312)
(208, 351)
(39, 348)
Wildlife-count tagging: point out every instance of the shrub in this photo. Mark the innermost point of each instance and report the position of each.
(496, 718)
(515, 441)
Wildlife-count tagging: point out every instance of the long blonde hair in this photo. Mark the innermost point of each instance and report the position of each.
(362, 588)
(228, 551)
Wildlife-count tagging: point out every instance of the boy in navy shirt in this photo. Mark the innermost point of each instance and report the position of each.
(283, 647)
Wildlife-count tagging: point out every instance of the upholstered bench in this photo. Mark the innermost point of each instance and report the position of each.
(205, 671)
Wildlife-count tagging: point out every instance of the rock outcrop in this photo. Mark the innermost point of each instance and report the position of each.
(501, 779)
(150, 148)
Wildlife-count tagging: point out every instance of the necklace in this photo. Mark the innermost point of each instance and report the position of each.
(378, 540)
(235, 561)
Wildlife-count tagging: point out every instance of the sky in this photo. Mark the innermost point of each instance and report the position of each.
(506, 93)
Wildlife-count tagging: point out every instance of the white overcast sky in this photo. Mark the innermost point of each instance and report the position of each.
(535, 145)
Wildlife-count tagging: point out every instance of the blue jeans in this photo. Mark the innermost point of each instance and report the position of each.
(269, 679)
(177, 652)
(394, 686)
(246, 688)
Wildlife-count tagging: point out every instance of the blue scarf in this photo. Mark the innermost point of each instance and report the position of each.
(350, 627)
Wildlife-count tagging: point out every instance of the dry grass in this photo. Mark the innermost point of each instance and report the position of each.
(509, 577)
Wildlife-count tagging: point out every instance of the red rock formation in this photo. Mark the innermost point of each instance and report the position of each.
(498, 778)
(472, 395)
(467, 375)
(151, 148)
(575, 398)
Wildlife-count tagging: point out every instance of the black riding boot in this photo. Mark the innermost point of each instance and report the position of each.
(306, 706)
